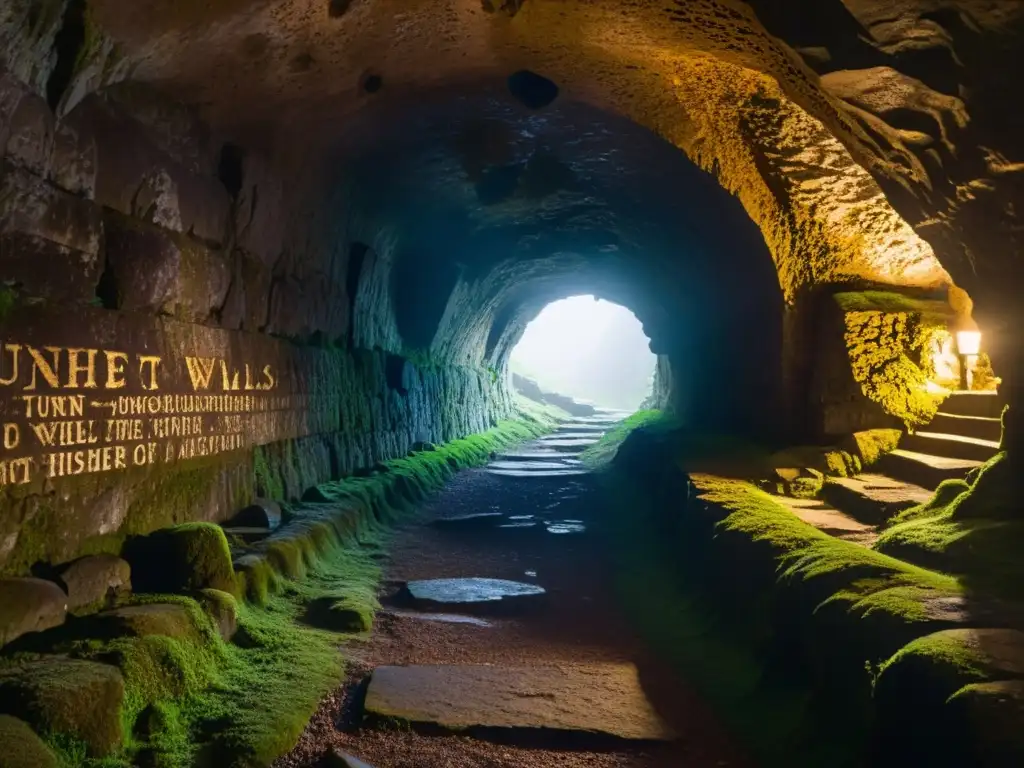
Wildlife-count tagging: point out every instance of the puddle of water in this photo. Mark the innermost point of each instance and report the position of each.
(519, 525)
(566, 527)
(520, 517)
(532, 574)
(470, 590)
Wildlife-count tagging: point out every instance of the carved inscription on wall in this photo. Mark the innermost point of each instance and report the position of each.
(69, 410)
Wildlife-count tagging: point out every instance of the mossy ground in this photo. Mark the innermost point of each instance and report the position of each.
(603, 451)
(969, 528)
(193, 699)
(780, 625)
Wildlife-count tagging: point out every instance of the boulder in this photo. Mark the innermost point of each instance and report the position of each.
(168, 619)
(157, 270)
(222, 608)
(29, 605)
(340, 614)
(22, 748)
(262, 513)
(185, 558)
(95, 582)
(58, 695)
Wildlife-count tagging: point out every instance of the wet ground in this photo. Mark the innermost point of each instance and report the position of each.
(531, 518)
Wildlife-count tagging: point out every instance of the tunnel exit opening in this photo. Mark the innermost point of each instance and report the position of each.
(592, 350)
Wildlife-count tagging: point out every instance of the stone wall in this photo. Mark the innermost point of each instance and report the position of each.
(166, 352)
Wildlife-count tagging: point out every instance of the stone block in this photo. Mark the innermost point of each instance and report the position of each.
(184, 558)
(43, 269)
(95, 581)
(159, 271)
(223, 609)
(73, 165)
(30, 134)
(595, 700)
(22, 748)
(29, 605)
(82, 699)
(166, 619)
(138, 178)
(32, 206)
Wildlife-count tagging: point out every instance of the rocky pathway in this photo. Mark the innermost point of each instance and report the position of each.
(501, 642)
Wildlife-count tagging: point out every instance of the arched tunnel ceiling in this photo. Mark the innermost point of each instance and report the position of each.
(785, 100)
(530, 207)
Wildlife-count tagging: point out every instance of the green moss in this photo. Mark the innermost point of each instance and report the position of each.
(871, 444)
(802, 550)
(885, 350)
(268, 485)
(21, 747)
(774, 621)
(257, 579)
(966, 528)
(80, 699)
(8, 301)
(890, 302)
(190, 695)
(602, 452)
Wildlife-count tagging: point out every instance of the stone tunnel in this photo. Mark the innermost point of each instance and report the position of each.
(263, 265)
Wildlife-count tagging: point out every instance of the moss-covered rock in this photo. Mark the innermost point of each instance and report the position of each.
(916, 694)
(222, 608)
(341, 614)
(185, 558)
(20, 747)
(256, 578)
(29, 605)
(885, 349)
(993, 713)
(95, 582)
(168, 619)
(81, 699)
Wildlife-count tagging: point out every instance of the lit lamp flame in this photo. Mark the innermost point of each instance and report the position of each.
(968, 342)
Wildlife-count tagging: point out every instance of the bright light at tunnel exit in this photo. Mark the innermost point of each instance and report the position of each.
(590, 349)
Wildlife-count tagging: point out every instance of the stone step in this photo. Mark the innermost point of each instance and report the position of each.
(571, 445)
(527, 456)
(534, 466)
(981, 427)
(537, 473)
(598, 429)
(923, 469)
(986, 404)
(587, 437)
(830, 520)
(872, 498)
(950, 446)
(589, 701)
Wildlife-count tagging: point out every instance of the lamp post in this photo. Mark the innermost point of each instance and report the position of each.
(968, 345)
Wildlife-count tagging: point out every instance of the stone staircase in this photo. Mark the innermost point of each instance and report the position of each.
(963, 436)
(557, 454)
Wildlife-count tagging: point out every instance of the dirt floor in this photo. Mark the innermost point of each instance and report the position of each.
(576, 622)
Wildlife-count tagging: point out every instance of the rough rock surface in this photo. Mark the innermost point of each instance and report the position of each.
(187, 557)
(22, 747)
(29, 605)
(856, 141)
(604, 699)
(94, 581)
(56, 695)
